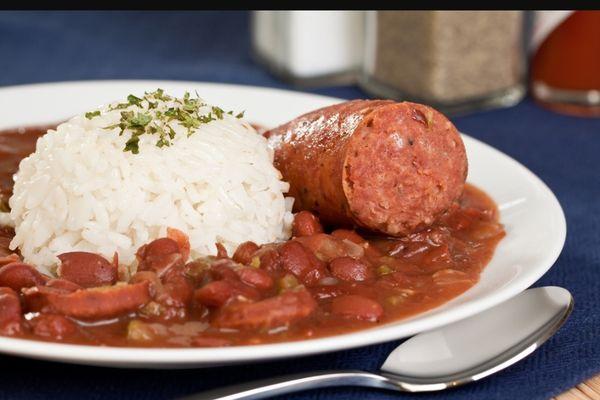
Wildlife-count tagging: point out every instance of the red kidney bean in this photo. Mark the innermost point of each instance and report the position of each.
(159, 255)
(221, 251)
(243, 254)
(11, 320)
(18, 275)
(255, 277)
(87, 269)
(269, 258)
(306, 224)
(179, 292)
(91, 304)
(351, 270)
(359, 307)
(53, 326)
(196, 270)
(171, 298)
(324, 247)
(158, 247)
(214, 294)
(64, 285)
(182, 240)
(302, 263)
(280, 310)
(348, 234)
(158, 287)
(223, 270)
(176, 272)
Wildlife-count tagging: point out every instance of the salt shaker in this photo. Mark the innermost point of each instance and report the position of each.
(456, 61)
(309, 47)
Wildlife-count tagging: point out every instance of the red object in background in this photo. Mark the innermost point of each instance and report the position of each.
(565, 70)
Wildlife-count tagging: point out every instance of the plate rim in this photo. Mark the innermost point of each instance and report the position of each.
(198, 357)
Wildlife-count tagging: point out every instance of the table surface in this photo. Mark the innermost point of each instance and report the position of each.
(214, 46)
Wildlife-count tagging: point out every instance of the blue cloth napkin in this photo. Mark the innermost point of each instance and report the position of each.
(214, 46)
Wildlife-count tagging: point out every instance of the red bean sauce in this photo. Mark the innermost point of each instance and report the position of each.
(324, 281)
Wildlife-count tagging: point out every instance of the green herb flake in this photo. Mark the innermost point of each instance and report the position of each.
(240, 115)
(171, 112)
(171, 132)
(133, 100)
(92, 114)
(133, 144)
(218, 112)
(154, 119)
(140, 120)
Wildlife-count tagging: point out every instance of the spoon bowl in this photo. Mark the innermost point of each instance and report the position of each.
(459, 353)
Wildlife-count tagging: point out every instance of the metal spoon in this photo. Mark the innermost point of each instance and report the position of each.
(453, 355)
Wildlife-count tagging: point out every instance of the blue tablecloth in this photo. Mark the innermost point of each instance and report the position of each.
(563, 151)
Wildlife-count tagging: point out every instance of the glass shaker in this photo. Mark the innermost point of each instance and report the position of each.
(309, 48)
(456, 61)
(565, 68)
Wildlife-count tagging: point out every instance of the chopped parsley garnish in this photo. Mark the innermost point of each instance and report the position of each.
(92, 114)
(134, 100)
(154, 114)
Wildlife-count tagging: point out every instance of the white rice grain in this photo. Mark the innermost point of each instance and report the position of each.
(80, 191)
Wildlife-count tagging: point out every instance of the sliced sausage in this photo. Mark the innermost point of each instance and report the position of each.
(256, 277)
(92, 304)
(275, 311)
(218, 293)
(63, 284)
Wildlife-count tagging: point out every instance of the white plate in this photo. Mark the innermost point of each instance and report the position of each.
(532, 216)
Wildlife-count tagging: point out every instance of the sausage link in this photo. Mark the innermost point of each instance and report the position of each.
(385, 166)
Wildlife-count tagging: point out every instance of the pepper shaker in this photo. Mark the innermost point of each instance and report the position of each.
(456, 61)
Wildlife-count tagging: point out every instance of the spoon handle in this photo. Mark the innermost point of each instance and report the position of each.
(295, 383)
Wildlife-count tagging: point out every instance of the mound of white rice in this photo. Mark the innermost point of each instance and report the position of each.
(80, 191)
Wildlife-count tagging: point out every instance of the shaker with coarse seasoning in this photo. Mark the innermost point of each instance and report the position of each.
(456, 61)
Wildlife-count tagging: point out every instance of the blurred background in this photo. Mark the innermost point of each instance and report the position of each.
(457, 61)
(527, 83)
